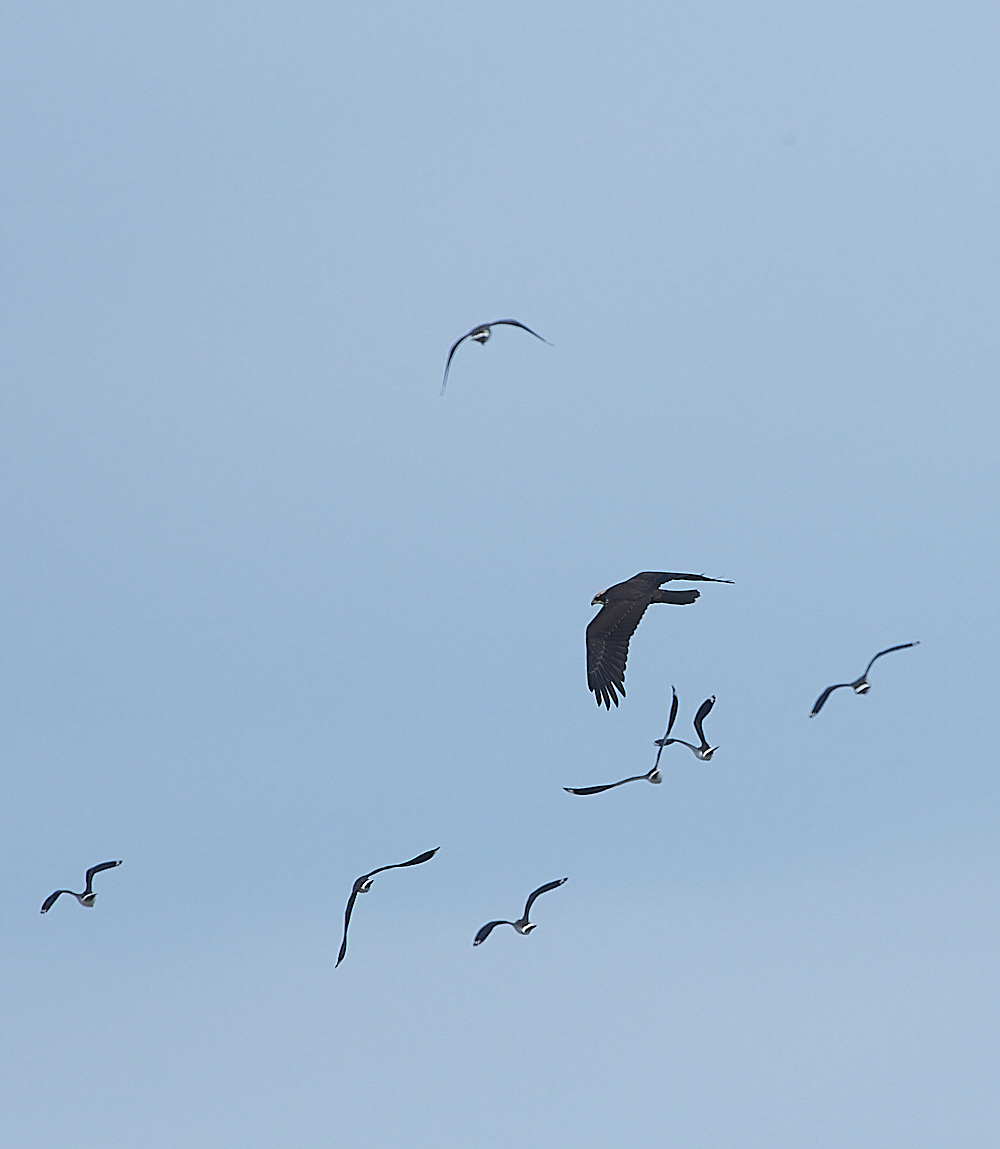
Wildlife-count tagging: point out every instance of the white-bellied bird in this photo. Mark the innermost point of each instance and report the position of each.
(703, 751)
(363, 884)
(859, 685)
(522, 925)
(480, 335)
(653, 776)
(88, 897)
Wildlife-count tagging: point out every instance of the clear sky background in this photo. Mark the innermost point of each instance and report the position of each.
(274, 613)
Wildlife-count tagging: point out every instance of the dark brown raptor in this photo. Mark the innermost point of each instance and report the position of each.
(622, 606)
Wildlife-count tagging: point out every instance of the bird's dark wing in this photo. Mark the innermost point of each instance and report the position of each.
(700, 717)
(676, 597)
(50, 900)
(818, 704)
(608, 637)
(96, 870)
(888, 650)
(486, 930)
(538, 893)
(665, 740)
(424, 857)
(673, 713)
(420, 858)
(454, 348)
(660, 577)
(515, 323)
(600, 789)
(347, 921)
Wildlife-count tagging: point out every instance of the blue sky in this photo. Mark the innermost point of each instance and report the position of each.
(276, 614)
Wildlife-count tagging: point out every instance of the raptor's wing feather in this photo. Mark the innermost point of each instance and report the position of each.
(608, 637)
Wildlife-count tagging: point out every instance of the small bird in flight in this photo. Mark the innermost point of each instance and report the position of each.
(653, 776)
(88, 897)
(703, 752)
(622, 606)
(859, 685)
(522, 925)
(481, 334)
(363, 884)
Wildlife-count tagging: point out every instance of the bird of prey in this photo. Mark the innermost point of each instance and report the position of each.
(654, 775)
(363, 884)
(608, 634)
(88, 897)
(859, 685)
(481, 334)
(704, 752)
(522, 925)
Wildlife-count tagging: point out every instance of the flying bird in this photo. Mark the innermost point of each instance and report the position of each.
(704, 752)
(522, 925)
(654, 775)
(608, 634)
(481, 334)
(363, 884)
(88, 897)
(859, 685)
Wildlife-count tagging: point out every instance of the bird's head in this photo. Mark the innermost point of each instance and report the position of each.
(363, 885)
(600, 598)
(706, 755)
(527, 927)
(656, 777)
(862, 688)
(481, 334)
(88, 900)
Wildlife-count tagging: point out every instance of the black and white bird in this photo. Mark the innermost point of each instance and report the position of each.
(88, 897)
(859, 685)
(522, 925)
(363, 884)
(653, 776)
(480, 335)
(703, 752)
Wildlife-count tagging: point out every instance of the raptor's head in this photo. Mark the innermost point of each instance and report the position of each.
(599, 599)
